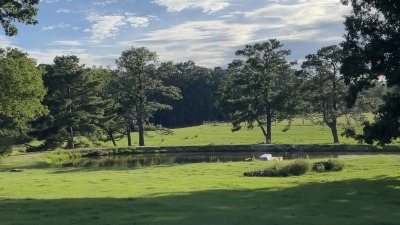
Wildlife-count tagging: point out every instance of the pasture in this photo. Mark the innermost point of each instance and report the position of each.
(300, 132)
(366, 192)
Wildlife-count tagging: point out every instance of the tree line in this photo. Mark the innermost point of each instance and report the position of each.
(66, 100)
(59, 102)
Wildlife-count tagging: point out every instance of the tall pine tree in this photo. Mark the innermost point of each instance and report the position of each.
(261, 87)
(140, 81)
(74, 101)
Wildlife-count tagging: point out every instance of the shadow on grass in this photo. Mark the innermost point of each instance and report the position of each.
(356, 201)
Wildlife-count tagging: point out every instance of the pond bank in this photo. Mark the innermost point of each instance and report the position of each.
(271, 148)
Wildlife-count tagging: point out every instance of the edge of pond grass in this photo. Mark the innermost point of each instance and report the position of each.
(271, 148)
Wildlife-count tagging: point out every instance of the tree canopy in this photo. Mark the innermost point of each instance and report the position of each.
(74, 101)
(325, 89)
(23, 11)
(21, 95)
(21, 86)
(261, 87)
(139, 83)
(372, 50)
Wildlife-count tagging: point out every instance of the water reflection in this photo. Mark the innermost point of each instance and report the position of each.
(147, 160)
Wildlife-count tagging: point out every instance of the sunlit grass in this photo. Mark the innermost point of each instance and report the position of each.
(365, 192)
(300, 132)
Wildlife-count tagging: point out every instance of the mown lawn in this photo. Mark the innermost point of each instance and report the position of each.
(367, 191)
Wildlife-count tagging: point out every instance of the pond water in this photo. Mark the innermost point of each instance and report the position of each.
(147, 160)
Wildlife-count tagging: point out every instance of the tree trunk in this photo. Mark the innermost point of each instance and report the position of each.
(333, 127)
(71, 144)
(269, 118)
(140, 125)
(262, 129)
(128, 134)
(111, 137)
(268, 136)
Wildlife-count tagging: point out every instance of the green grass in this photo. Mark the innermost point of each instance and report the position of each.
(366, 192)
(221, 134)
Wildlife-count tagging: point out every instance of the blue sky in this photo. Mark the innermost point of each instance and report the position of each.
(205, 31)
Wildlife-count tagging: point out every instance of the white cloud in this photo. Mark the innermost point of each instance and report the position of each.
(68, 43)
(62, 10)
(300, 12)
(104, 3)
(208, 6)
(138, 21)
(89, 59)
(295, 20)
(105, 26)
(109, 26)
(60, 25)
(210, 42)
(50, 1)
(5, 41)
(206, 42)
(212, 30)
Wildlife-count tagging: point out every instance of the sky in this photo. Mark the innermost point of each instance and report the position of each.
(207, 32)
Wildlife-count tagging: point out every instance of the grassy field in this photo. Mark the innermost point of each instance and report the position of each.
(366, 192)
(221, 134)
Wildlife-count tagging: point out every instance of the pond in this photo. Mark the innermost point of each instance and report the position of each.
(147, 160)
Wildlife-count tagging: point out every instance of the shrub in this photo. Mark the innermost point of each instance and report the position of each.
(296, 168)
(337, 165)
(330, 165)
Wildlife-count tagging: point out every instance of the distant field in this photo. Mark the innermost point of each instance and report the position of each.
(301, 132)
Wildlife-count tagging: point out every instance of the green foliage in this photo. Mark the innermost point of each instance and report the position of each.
(22, 11)
(337, 165)
(371, 52)
(330, 165)
(58, 157)
(21, 86)
(138, 83)
(324, 87)
(295, 168)
(75, 103)
(261, 88)
(21, 94)
(198, 86)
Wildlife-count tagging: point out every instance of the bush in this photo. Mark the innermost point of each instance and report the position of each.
(296, 168)
(330, 165)
(336, 165)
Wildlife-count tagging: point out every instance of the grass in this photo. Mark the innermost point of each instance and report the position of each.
(366, 192)
(221, 134)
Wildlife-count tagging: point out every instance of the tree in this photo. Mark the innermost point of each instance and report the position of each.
(324, 86)
(75, 104)
(262, 88)
(140, 82)
(198, 86)
(21, 94)
(23, 11)
(372, 50)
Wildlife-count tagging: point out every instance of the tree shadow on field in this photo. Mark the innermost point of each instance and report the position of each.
(375, 201)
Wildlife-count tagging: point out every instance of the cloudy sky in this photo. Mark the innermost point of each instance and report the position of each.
(205, 31)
